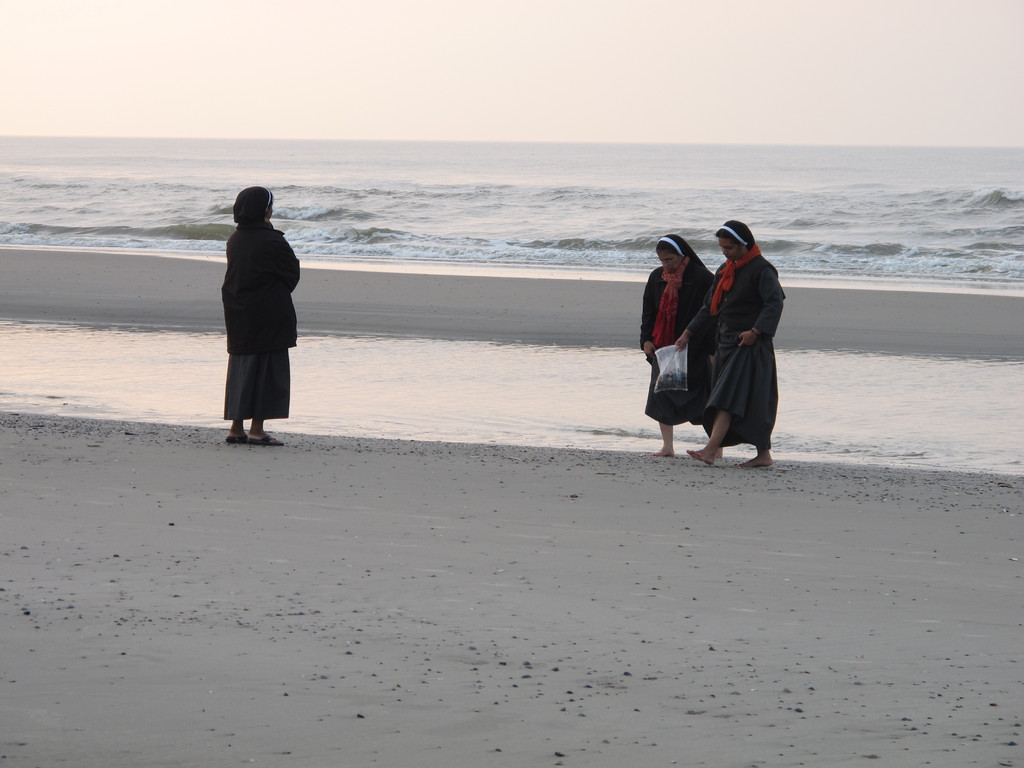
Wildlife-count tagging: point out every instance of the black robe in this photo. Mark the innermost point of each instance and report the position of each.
(744, 380)
(679, 406)
(261, 275)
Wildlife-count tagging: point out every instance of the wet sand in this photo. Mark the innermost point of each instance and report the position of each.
(154, 292)
(168, 599)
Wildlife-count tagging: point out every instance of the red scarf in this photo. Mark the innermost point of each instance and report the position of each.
(728, 277)
(665, 322)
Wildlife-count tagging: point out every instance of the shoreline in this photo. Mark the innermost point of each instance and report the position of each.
(513, 394)
(459, 269)
(169, 293)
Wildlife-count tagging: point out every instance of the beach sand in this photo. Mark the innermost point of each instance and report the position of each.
(119, 289)
(168, 599)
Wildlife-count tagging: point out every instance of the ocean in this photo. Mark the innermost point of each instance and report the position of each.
(919, 219)
(913, 215)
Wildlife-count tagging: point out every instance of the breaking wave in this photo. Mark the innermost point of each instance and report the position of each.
(942, 214)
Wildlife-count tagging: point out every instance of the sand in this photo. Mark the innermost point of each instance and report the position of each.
(118, 289)
(170, 600)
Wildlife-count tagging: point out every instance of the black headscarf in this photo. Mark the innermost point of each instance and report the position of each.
(252, 204)
(681, 247)
(738, 232)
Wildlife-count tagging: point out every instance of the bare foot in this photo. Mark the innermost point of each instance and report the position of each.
(666, 452)
(756, 462)
(700, 456)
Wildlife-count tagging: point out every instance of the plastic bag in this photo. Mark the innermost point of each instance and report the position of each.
(671, 369)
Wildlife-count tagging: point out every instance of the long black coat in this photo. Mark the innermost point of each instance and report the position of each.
(257, 292)
(745, 380)
(696, 283)
(679, 406)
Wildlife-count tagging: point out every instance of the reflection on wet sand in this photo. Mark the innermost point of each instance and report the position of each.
(883, 409)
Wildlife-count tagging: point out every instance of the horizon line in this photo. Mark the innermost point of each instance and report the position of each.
(517, 141)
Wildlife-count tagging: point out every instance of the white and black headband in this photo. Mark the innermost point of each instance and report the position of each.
(673, 243)
(733, 232)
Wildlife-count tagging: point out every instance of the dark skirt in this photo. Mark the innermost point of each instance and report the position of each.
(258, 386)
(677, 406)
(745, 383)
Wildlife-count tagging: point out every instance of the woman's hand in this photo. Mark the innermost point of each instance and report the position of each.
(683, 340)
(649, 348)
(748, 338)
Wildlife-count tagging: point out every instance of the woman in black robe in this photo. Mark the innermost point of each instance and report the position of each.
(260, 319)
(744, 306)
(674, 293)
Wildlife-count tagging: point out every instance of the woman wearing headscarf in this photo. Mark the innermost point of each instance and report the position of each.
(260, 319)
(744, 306)
(674, 294)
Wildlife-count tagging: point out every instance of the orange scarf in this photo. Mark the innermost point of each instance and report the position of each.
(728, 277)
(665, 322)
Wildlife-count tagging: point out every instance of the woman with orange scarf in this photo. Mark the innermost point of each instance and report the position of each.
(744, 306)
(674, 294)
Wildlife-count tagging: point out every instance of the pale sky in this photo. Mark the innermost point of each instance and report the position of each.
(857, 72)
